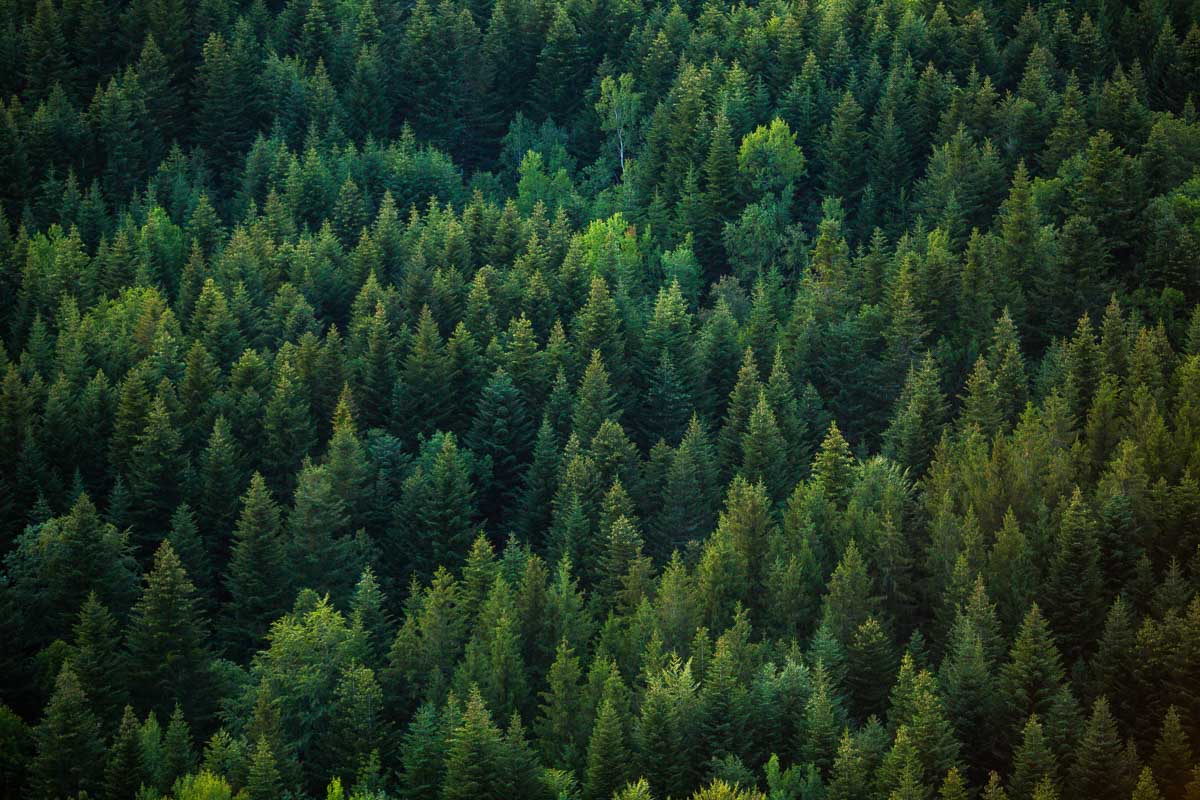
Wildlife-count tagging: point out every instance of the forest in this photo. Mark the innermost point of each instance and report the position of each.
(599, 400)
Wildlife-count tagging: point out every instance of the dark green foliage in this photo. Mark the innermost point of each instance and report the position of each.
(256, 579)
(168, 641)
(125, 772)
(69, 743)
(778, 397)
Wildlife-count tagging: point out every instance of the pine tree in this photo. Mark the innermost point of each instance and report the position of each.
(1099, 768)
(440, 500)
(848, 602)
(155, 473)
(288, 429)
(822, 720)
(764, 451)
(63, 560)
(842, 164)
(834, 464)
(539, 483)
(346, 459)
(256, 579)
(742, 400)
(473, 755)
(1147, 787)
(422, 753)
(263, 781)
(178, 755)
(124, 774)
(1033, 673)
(607, 758)
(69, 744)
(849, 776)
(720, 193)
(918, 419)
(185, 541)
(168, 641)
(369, 614)
(595, 401)
(1172, 754)
(320, 554)
(503, 434)
(598, 329)
(1075, 586)
(560, 725)
(1033, 762)
(97, 660)
(666, 404)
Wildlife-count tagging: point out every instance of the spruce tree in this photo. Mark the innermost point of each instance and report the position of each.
(124, 775)
(69, 744)
(98, 661)
(502, 433)
(257, 579)
(288, 429)
(1033, 762)
(473, 755)
(764, 451)
(560, 724)
(168, 641)
(263, 781)
(1099, 768)
(1075, 589)
(595, 401)
(1033, 673)
(607, 757)
(1172, 754)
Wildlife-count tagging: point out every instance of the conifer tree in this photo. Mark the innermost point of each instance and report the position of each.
(849, 601)
(559, 726)
(263, 780)
(178, 755)
(1172, 754)
(97, 659)
(319, 553)
(256, 579)
(833, 464)
(842, 164)
(346, 459)
(764, 451)
(1075, 586)
(185, 541)
(1033, 761)
(503, 434)
(916, 423)
(124, 775)
(742, 400)
(369, 614)
(155, 473)
(822, 720)
(1033, 673)
(1147, 787)
(168, 640)
(289, 431)
(473, 754)
(595, 401)
(608, 758)
(69, 744)
(1099, 767)
(870, 664)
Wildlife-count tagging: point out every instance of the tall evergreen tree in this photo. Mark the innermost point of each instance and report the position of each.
(168, 641)
(69, 742)
(257, 579)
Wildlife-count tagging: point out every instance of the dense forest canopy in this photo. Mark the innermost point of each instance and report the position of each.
(579, 399)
